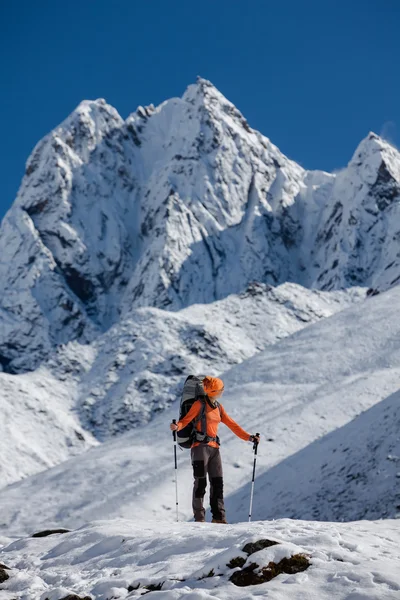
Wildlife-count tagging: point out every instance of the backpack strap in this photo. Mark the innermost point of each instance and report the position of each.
(201, 436)
(201, 416)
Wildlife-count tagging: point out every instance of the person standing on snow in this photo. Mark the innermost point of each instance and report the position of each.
(205, 455)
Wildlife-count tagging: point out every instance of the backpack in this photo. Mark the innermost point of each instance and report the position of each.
(193, 390)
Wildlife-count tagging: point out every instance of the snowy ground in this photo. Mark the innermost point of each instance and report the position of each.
(103, 560)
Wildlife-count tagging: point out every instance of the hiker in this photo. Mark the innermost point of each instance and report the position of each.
(205, 453)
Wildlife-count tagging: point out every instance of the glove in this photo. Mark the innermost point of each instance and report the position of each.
(255, 438)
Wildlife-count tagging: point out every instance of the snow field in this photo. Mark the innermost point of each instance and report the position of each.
(353, 561)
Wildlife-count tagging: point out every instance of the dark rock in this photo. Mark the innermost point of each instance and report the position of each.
(153, 587)
(136, 140)
(255, 288)
(47, 532)
(252, 547)
(385, 189)
(5, 362)
(246, 576)
(395, 280)
(209, 574)
(3, 575)
(81, 287)
(37, 208)
(290, 566)
(238, 561)
(372, 292)
(75, 597)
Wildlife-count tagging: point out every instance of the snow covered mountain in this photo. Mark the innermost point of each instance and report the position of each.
(140, 364)
(323, 401)
(358, 237)
(136, 369)
(181, 240)
(179, 204)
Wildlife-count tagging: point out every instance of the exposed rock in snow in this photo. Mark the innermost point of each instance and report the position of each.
(65, 242)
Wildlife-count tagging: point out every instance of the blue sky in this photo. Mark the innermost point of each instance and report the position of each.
(315, 77)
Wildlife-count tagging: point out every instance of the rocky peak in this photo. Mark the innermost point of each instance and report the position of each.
(182, 203)
(373, 157)
(91, 120)
(207, 99)
(203, 92)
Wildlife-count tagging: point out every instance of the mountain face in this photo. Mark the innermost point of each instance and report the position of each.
(358, 240)
(138, 366)
(86, 393)
(177, 205)
(325, 400)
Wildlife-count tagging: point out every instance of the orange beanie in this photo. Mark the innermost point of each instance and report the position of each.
(212, 385)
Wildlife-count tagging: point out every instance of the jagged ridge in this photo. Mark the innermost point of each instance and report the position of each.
(179, 204)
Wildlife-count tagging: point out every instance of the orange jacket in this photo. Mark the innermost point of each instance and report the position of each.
(213, 419)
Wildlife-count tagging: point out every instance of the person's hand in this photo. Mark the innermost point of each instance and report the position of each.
(255, 438)
(173, 427)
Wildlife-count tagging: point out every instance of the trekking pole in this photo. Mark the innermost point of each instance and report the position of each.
(255, 446)
(176, 472)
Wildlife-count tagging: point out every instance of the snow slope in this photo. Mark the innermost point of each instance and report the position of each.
(38, 426)
(136, 369)
(122, 559)
(141, 362)
(179, 204)
(351, 473)
(295, 392)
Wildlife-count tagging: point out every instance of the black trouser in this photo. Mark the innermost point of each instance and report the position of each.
(206, 459)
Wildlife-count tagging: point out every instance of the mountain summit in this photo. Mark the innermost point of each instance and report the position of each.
(179, 204)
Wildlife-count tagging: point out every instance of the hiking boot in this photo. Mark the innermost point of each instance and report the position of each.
(199, 520)
(220, 521)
